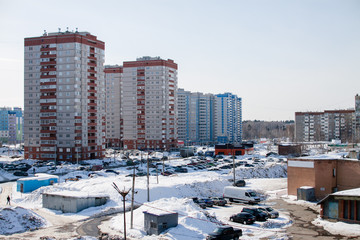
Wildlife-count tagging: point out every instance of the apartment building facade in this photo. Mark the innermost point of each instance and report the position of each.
(196, 117)
(11, 125)
(113, 94)
(228, 118)
(325, 126)
(149, 104)
(64, 114)
(357, 118)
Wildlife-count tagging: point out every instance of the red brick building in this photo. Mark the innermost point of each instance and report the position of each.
(326, 175)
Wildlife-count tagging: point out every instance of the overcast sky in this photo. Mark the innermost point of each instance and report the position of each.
(279, 56)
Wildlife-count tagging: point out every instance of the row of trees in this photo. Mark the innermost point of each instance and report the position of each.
(268, 129)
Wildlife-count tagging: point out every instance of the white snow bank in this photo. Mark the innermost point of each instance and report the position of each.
(341, 228)
(18, 219)
(193, 223)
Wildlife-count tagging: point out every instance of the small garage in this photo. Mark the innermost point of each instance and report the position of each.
(156, 223)
(343, 206)
(30, 184)
(71, 201)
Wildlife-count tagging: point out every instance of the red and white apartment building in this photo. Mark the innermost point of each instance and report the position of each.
(64, 99)
(149, 108)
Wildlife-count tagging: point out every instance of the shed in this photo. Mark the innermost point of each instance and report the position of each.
(306, 193)
(30, 184)
(155, 223)
(343, 206)
(289, 149)
(71, 201)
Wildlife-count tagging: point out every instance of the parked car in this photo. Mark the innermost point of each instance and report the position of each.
(219, 201)
(270, 211)
(258, 214)
(20, 173)
(181, 170)
(208, 202)
(224, 232)
(240, 183)
(241, 195)
(199, 202)
(112, 171)
(243, 217)
(166, 173)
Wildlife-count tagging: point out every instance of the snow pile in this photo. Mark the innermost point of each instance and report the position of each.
(193, 223)
(18, 219)
(272, 170)
(346, 229)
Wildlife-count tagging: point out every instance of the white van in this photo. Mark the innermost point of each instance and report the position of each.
(241, 194)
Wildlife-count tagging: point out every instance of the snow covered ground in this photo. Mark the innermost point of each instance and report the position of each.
(167, 194)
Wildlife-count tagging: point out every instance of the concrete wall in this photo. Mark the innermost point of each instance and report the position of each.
(69, 204)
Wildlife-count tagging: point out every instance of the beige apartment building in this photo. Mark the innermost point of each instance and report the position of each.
(114, 126)
(149, 104)
(64, 117)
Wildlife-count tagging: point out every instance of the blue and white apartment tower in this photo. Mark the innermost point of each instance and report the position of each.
(228, 118)
(11, 125)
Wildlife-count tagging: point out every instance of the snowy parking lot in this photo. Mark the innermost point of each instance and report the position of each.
(167, 193)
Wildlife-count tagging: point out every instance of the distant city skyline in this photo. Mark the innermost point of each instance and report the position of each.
(280, 57)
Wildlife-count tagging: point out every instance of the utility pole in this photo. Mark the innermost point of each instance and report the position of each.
(233, 153)
(132, 199)
(123, 193)
(148, 184)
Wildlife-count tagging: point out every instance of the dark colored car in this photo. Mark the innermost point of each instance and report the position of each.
(208, 202)
(270, 212)
(112, 171)
(240, 183)
(243, 217)
(225, 232)
(199, 202)
(20, 173)
(181, 170)
(258, 214)
(219, 201)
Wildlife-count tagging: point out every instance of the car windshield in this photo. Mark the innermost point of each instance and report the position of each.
(252, 194)
(218, 230)
(269, 209)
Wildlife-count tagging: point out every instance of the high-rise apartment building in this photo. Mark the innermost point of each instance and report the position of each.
(228, 118)
(195, 117)
(11, 125)
(325, 126)
(64, 114)
(114, 126)
(149, 104)
(357, 119)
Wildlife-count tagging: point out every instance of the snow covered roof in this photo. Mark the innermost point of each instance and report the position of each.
(76, 194)
(346, 193)
(350, 192)
(330, 156)
(39, 176)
